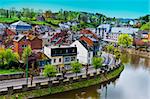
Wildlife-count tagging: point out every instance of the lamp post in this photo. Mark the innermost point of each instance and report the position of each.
(27, 70)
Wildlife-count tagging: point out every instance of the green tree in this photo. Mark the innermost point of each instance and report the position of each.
(125, 40)
(10, 56)
(7, 57)
(76, 67)
(146, 26)
(75, 28)
(110, 48)
(49, 71)
(146, 18)
(48, 14)
(2, 56)
(97, 62)
(117, 53)
(26, 53)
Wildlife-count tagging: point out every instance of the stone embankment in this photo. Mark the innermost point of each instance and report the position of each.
(138, 52)
(61, 85)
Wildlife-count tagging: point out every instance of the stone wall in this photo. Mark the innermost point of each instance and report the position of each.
(57, 82)
(11, 76)
(137, 52)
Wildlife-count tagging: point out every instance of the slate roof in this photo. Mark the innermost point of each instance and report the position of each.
(20, 26)
(2, 26)
(127, 30)
(18, 37)
(20, 23)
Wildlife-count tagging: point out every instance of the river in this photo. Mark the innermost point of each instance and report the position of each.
(133, 83)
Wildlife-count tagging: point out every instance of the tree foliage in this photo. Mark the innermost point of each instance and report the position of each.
(117, 53)
(26, 53)
(7, 56)
(49, 71)
(146, 26)
(11, 56)
(125, 40)
(110, 48)
(76, 67)
(97, 62)
(146, 18)
(29, 15)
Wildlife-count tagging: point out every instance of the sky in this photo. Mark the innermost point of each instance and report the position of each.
(110, 8)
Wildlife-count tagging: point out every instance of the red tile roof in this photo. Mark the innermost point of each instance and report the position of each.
(85, 31)
(87, 40)
(139, 42)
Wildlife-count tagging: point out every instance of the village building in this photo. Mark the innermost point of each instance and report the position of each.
(61, 56)
(21, 41)
(20, 27)
(84, 52)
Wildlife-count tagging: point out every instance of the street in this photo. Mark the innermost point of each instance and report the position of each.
(18, 82)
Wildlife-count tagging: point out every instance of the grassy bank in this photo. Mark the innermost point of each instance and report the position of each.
(53, 90)
(9, 71)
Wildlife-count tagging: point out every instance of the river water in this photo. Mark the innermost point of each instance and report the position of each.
(133, 83)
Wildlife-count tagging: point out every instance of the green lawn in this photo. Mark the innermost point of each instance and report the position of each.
(8, 20)
(9, 71)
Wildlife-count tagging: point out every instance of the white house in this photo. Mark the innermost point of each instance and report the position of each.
(61, 56)
(84, 53)
(111, 34)
(116, 31)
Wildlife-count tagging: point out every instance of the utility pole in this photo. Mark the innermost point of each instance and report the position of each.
(27, 70)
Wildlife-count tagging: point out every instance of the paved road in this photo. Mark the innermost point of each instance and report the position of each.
(18, 82)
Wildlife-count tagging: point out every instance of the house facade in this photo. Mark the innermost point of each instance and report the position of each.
(142, 38)
(22, 41)
(109, 33)
(84, 53)
(20, 27)
(92, 43)
(61, 56)
(103, 30)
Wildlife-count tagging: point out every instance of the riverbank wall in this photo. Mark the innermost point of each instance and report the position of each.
(52, 87)
(137, 52)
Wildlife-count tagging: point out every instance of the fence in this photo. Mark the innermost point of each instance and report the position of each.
(11, 76)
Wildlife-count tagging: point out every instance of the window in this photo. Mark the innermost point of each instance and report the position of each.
(67, 59)
(89, 61)
(66, 50)
(54, 60)
(89, 55)
(73, 50)
(72, 58)
(23, 46)
(59, 59)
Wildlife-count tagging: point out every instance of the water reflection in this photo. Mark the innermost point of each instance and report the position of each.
(133, 83)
